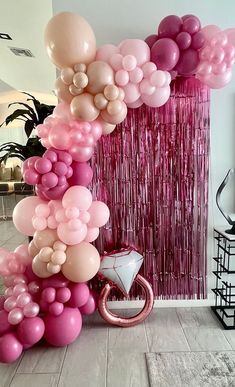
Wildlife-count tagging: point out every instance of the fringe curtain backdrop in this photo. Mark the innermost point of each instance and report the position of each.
(152, 172)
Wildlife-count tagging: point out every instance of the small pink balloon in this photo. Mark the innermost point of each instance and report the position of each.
(198, 40)
(49, 180)
(22, 252)
(23, 299)
(122, 77)
(115, 61)
(49, 295)
(148, 68)
(43, 165)
(136, 75)
(19, 289)
(10, 303)
(183, 40)
(79, 295)
(132, 93)
(92, 234)
(10, 348)
(158, 98)
(31, 309)
(31, 177)
(56, 308)
(33, 287)
(91, 304)
(191, 24)
(150, 40)
(63, 295)
(146, 87)
(80, 153)
(31, 330)
(15, 316)
(170, 26)
(60, 168)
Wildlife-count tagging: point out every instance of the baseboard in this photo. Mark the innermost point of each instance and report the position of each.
(135, 304)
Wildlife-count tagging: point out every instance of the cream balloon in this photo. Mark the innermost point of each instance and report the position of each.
(83, 107)
(45, 238)
(40, 268)
(106, 127)
(99, 74)
(116, 118)
(32, 249)
(62, 91)
(69, 40)
(82, 263)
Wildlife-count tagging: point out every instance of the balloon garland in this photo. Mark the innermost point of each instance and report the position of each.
(46, 281)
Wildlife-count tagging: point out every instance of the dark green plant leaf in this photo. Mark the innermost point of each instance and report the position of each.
(18, 113)
(32, 112)
(28, 127)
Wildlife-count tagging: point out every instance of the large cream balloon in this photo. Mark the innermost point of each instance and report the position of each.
(69, 40)
(82, 263)
(83, 107)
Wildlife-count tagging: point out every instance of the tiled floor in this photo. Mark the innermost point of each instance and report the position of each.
(105, 356)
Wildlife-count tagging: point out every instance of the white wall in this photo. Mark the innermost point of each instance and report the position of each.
(114, 20)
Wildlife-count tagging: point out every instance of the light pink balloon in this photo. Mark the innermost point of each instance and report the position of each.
(105, 52)
(31, 309)
(15, 316)
(116, 61)
(209, 31)
(135, 104)
(158, 98)
(10, 303)
(23, 214)
(59, 137)
(132, 92)
(217, 81)
(92, 234)
(136, 47)
(77, 196)
(22, 251)
(230, 32)
(99, 212)
(71, 237)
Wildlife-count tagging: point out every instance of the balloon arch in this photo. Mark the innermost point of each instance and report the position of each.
(47, 280)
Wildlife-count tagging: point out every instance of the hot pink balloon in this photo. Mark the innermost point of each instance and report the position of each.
(165, 54)
(79, 295)
(170, 26)
(64, 329)
(10, 348)
(91, 304)
(31, 330)
(82, 174)
(5, 326)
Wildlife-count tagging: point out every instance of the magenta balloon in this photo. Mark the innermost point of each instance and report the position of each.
(51, 155)
(10, 348)
(82, 174)
(56, 281)
(91, 304)
(79, 295)
(191, 24)
(150, 40)
(31, 330)
(165, 54)
(43, 165)
(49, 180)
(198, 41)
(60, 168)
(56, 308)
(48, 295)
(170, 26)
(183, 39)
(55, 193)
(188, 62)
(31, 176)
(5, 326)
(63, 295)
(64, 329)
(65, 157)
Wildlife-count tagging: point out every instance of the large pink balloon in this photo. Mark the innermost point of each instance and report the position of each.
(69, 40)
(77, 196)
(165, 54)
(10, 348)
(82, 174)
(31, 330)
(136, 47)
(83, 262)
(158, 98)
(99, 212)
(23, 214)
(63, 329)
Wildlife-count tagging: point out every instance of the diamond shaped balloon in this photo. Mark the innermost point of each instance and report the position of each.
(121, 267)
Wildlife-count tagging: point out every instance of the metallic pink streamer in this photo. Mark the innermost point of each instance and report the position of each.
(152, 172)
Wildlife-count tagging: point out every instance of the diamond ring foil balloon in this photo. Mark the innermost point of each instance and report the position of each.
(121, 268)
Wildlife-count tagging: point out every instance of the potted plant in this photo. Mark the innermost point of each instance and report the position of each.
(31, 116)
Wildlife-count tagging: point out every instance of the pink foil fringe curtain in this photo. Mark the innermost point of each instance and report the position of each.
(152, 172)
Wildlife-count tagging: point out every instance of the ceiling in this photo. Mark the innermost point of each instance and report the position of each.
(112, 21)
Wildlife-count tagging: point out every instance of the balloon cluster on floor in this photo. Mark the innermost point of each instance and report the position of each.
(47, 280)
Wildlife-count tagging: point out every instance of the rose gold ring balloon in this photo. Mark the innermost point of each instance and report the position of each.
(126, 321)
(119, 269)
